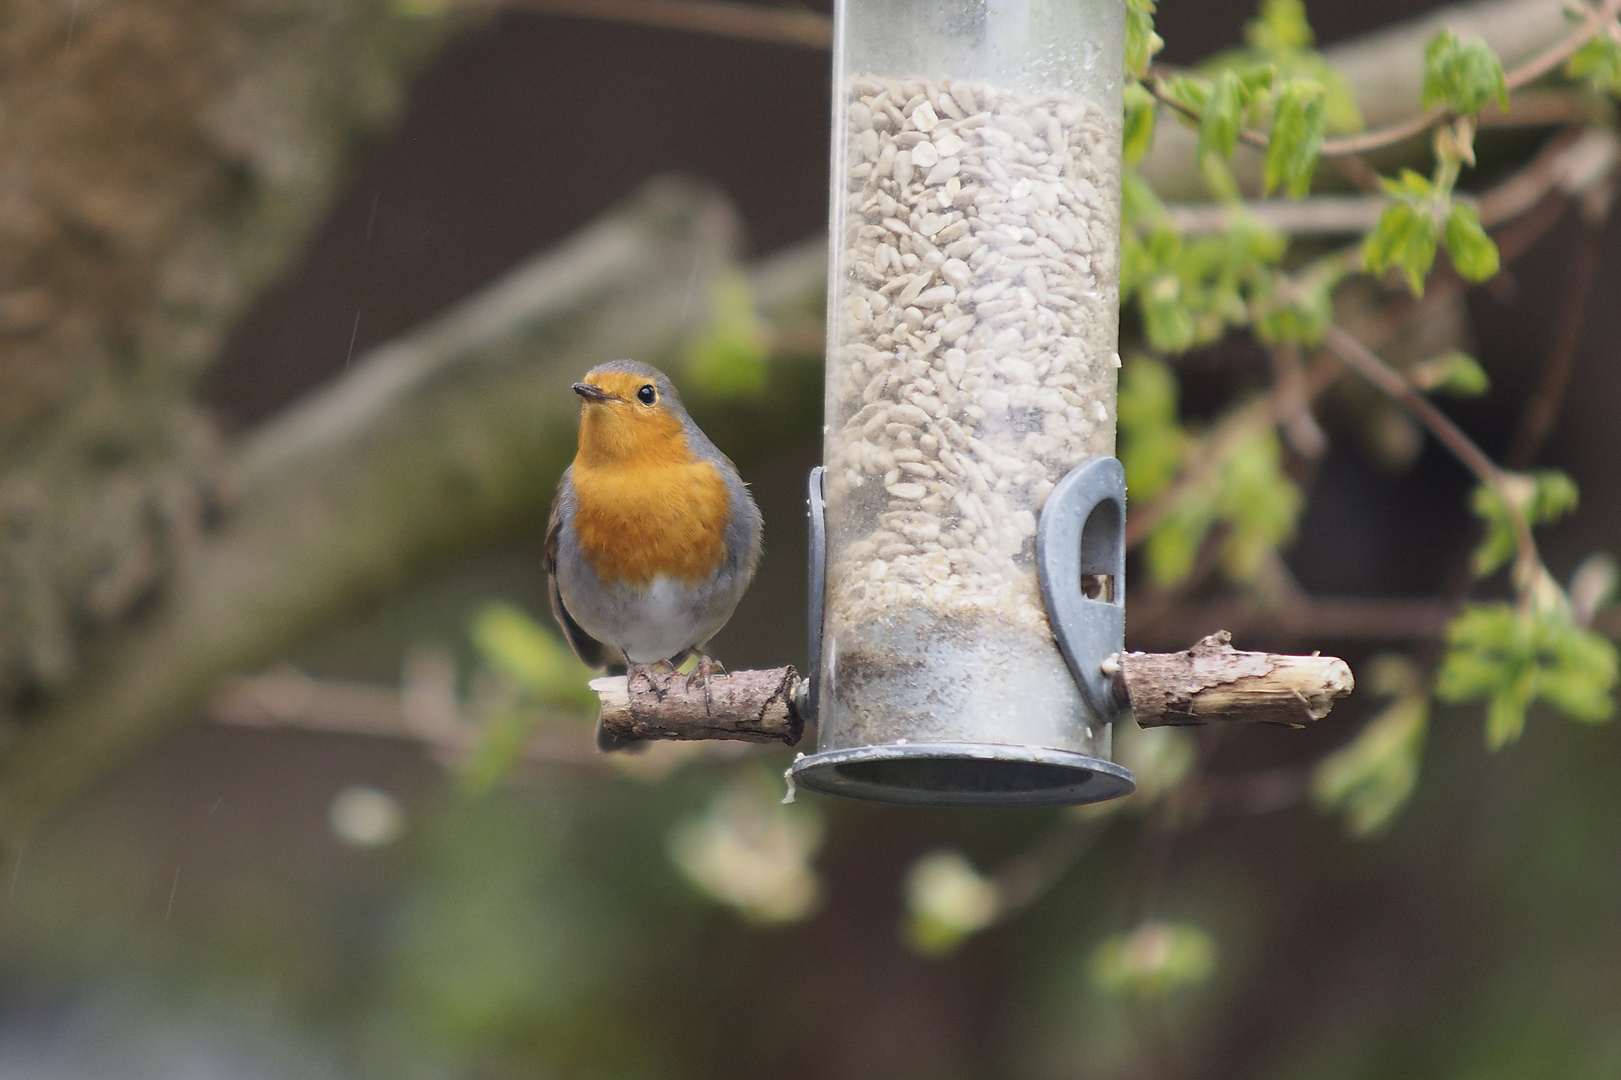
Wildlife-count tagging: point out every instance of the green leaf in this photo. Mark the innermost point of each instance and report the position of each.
(1293, 312)
(1463, 74)
(1141, 115)
(1153, 960)
(1300, 119)
(1281, 27)
(1166, 319)
(1250, 493)
(1541, 496)
(544, 674)
(1138, 203)
(1223, 117)
(1191, 92)
(1405, 239)
(1259, 503)
(1171, 548)
(532, 657)
(1509, 657)
(1152, 442)
(729, 356)
(947, 901)
(1141, 42)
(1370, 779)
(1411, 186)
(1456, 373)
(1474, 255)
(1599, 63)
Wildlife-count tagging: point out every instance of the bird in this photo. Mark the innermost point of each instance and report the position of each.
(653, 536)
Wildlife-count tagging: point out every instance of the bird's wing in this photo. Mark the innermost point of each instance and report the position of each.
(593, 653)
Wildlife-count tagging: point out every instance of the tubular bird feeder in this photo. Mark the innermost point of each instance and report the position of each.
(974, 567)
(967, 603)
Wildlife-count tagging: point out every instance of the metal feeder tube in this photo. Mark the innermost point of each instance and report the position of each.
(967, 530)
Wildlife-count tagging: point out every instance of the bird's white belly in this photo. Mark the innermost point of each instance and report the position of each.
(651, 622)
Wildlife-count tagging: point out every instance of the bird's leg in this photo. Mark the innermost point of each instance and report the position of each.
(706, 667)
(646, 672)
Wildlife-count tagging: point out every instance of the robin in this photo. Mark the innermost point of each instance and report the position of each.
(653, 535)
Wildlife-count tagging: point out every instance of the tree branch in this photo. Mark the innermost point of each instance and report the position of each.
(1364, 362)
(1574, 164)
(1215, 683)
(752, 706)
(1385, 71)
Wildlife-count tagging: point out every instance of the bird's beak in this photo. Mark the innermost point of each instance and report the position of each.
(592, 393)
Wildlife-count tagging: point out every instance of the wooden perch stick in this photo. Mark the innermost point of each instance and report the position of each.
(1216, 683)
(753, 706)
(1209, 683)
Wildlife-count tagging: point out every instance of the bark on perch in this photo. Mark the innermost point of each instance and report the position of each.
(1216, 683)
(752, 706)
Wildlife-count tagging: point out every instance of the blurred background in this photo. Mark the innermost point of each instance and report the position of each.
(385, 847)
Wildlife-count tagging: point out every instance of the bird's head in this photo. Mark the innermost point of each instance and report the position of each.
(631, 416)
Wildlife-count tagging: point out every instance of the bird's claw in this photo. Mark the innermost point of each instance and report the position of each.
(703, 670)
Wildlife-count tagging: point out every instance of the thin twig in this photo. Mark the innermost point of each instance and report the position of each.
(1542, 410)
(1572, 162)
(1594, 21)
(1364, 362)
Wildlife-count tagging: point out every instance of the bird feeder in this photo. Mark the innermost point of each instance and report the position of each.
(973, 512)
(967, 528)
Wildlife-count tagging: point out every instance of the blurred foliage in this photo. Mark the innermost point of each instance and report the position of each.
(1455, 372)
(540, 674)
(946, 901)
(751, 851)
(1369, 780)
(1511, 655)
(1154, 959)
(730, 355)
(1539, 497)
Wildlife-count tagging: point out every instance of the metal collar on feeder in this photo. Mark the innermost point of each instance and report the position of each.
(968, 559)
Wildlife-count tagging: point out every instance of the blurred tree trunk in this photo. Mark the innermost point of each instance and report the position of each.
(161, 162)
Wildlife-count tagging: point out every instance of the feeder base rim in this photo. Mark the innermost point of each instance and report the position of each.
(964, 774)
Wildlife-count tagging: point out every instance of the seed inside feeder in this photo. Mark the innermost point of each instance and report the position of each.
(979, 232)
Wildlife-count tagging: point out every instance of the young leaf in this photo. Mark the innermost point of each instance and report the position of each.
(1300, 119)
(947, 900)
(1474, 255)
(1297, 314)
(1152, 442)
(1223, 117)
(1463, 74)
(1599, 62)
(1369, 779)
(1153, 960)
(1405, 239)
(1281, 27)
(1454, 372)
(729, 356)
(1541, 496)
(1141, 42)
(1259, 503)
(1141, 115)
(1509, 657)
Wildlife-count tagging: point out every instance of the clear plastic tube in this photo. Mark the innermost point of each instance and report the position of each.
(972, 335)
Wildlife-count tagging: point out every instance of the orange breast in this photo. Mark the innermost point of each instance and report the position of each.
(635, 524)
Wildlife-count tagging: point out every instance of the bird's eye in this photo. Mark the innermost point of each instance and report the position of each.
(647, 395)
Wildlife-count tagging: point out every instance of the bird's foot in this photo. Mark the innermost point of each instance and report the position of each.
(646, 672)
(701, 672)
